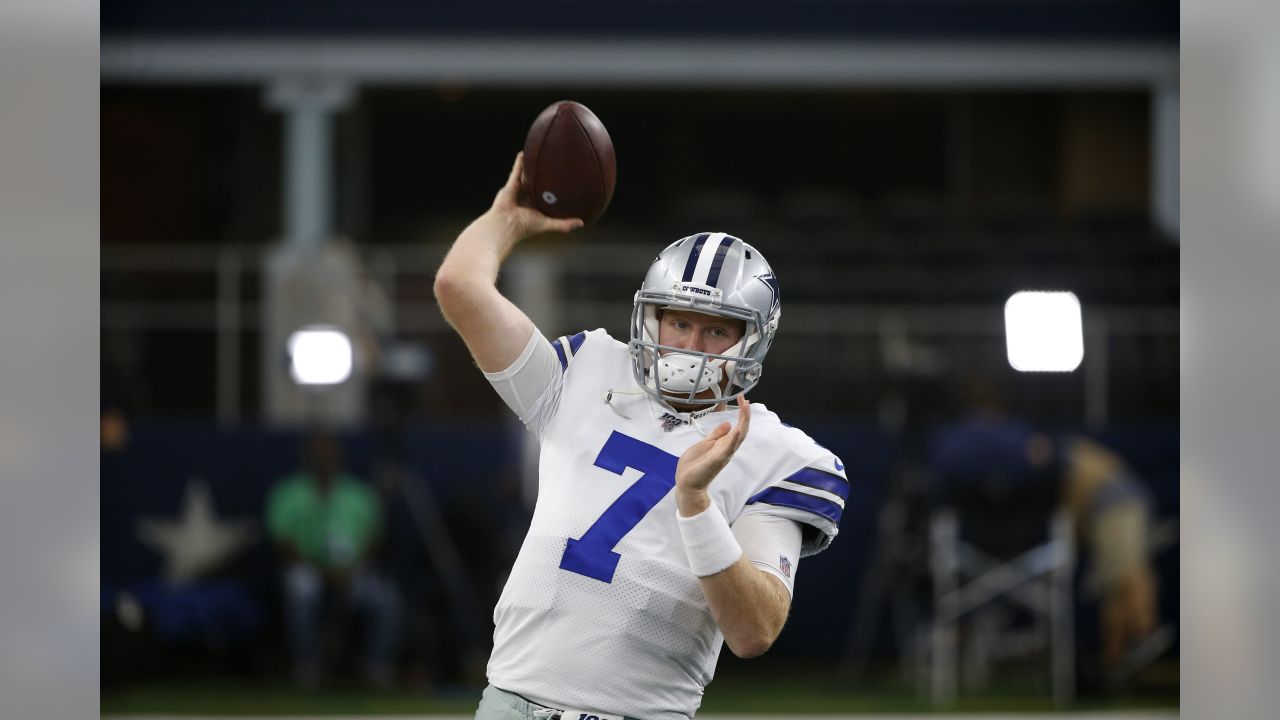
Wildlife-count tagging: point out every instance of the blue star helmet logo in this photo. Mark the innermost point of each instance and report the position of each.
(771, 281)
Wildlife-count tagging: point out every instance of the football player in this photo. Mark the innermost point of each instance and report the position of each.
(667, 521)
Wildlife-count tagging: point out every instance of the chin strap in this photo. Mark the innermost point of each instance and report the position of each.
(608, 399)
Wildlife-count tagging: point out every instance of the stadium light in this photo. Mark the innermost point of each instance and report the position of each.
(319, 355)
(1043, 331)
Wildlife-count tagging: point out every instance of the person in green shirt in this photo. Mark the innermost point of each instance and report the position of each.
(326, 523)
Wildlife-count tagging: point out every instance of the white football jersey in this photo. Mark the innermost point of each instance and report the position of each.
(601, 610)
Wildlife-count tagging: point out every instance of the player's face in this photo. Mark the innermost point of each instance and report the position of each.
(698, 332)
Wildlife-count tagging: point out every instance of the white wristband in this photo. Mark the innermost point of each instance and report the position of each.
(708, 542)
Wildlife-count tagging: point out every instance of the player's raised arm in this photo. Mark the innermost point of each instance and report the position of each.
(494, 329)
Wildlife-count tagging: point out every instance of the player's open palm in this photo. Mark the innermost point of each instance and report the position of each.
(700, 464)
(526, 221)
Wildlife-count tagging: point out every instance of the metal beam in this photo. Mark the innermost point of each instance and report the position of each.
(567, 62)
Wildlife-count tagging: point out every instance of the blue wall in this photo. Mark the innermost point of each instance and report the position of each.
(466, 465)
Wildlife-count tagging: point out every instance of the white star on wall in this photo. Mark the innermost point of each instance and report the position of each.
(196, 542)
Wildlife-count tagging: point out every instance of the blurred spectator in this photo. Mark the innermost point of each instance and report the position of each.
(114, 428)
(990, 454)
(326, 524)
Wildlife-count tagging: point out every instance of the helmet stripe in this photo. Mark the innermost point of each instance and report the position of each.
(713, 276)
(694, 252)
(714, 242)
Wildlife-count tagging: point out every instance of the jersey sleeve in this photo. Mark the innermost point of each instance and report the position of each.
(813, 496)
(772, 544)
(531, 386)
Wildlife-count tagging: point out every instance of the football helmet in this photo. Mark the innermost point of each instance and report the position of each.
(715, 274)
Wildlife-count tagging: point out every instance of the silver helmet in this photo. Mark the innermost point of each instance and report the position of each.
(716, 274)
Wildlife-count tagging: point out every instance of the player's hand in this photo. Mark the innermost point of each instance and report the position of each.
(525, 221)
(700, 464)
(1128, 613)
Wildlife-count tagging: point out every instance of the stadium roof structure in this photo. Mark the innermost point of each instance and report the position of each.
(319, 53)
(1131, 20)
(667, 63)
(667, 43)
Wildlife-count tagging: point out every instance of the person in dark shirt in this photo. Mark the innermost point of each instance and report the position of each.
(987, 452)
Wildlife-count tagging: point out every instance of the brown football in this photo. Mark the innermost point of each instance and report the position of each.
(569, 167)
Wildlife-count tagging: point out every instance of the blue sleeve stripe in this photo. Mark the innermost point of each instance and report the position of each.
(564, 361)
(815, 478)
(566, 353)
(799, 501)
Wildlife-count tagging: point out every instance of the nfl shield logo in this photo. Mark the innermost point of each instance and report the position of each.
(784, 565)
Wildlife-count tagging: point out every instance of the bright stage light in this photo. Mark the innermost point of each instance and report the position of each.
(1043, 331)
(319, 355)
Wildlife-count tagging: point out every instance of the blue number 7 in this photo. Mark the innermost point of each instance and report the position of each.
(592, 554)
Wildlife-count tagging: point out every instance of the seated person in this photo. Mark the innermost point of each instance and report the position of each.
(326, 523)
(990, 454)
